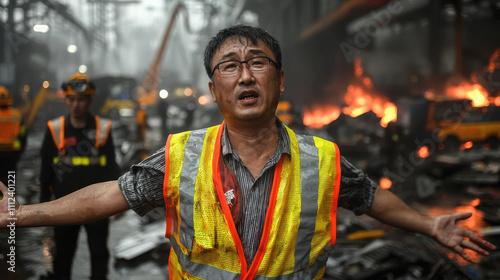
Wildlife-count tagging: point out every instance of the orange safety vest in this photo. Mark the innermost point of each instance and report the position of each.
(10, 130)
(103, 128)
(300, 226)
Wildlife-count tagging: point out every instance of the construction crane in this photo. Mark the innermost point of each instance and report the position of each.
(148, 91)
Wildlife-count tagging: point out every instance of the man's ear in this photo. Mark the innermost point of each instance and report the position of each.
(282, 81)
(211, 87)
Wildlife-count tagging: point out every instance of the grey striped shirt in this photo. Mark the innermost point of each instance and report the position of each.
(142, 187)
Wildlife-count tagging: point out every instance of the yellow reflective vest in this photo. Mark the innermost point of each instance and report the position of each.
(103, 127)
(300, 226)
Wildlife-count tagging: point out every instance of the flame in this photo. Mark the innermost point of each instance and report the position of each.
(495, 100)
(360, 101)
(358, 68)
(317, 117)
(360, 98)
(474, 92)
(494, 61)
(423, 152)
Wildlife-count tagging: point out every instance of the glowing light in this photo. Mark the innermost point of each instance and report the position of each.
(45, 84)
(188, 92)
(385, 183)
(466, 145)
(72, 48)
(423, 152)
(82, 68)
(317, 117)
(163, 93)
(41, 28)
(429, 95)
(204, 100)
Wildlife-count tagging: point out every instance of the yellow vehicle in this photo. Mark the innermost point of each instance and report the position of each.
(479, 125)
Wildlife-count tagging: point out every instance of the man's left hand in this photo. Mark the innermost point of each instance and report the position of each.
(446, 230)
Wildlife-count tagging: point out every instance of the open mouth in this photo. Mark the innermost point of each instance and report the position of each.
(248, 95)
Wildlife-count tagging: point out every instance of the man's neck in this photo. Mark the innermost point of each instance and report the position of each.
(78, 122)
(254, 144)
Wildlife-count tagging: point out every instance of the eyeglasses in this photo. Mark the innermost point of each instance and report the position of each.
(233, 67)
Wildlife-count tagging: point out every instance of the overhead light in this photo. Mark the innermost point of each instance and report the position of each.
(82, 68)
(42, 28)
(72, 49)
(163, 93)
(188, 91)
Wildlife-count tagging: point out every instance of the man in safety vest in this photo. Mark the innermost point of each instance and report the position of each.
(248, 198)
(12, 136)
(77, 151)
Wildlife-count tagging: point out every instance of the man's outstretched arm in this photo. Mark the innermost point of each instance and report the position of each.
(95, 202)
(391, 210)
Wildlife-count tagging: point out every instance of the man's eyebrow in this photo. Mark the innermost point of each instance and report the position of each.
(228, 56)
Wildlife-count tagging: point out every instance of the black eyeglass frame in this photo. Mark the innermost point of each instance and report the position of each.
(241, 67)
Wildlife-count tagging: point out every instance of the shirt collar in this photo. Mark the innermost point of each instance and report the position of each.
(283, 141)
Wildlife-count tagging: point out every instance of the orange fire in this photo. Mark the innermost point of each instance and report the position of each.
(474, 92)
(317, 117)
(495, 100)
(360, 101)
(359, 98)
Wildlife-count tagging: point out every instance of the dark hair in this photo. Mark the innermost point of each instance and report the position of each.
(251, 33)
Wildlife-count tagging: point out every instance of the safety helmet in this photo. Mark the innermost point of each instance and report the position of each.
(78, 84)
(5, 97)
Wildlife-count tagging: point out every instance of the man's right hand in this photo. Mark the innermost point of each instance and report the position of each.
(8, 206)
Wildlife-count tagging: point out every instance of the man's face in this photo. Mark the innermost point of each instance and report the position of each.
(78, 105)
(246, 96)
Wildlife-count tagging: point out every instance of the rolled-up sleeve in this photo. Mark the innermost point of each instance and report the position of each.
(142, 185)
(357, 191)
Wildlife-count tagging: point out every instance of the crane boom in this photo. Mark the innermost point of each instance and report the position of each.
(148, 88)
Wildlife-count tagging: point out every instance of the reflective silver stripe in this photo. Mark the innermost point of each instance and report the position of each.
(204, 271)
(103, 129)
(192, 155)
(56, 124)
(309, 174)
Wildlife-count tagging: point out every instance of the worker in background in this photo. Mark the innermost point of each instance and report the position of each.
(12, 136)
(77, 151)
(250, 198)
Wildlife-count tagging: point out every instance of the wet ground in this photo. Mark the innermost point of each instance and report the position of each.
(33, 245)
